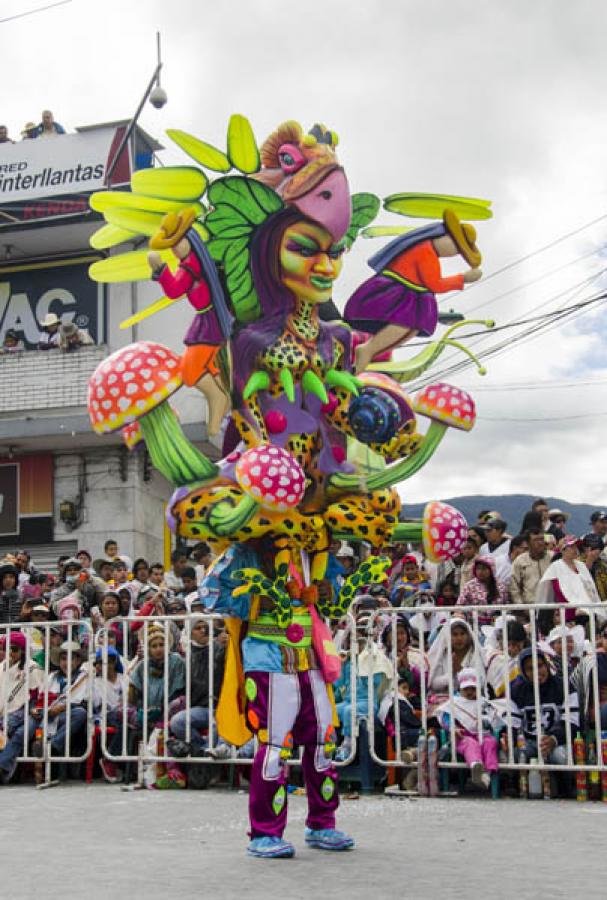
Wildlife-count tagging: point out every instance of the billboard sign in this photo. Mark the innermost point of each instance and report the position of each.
(29, 292)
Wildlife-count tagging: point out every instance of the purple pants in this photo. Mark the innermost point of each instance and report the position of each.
(473, 751)
(285, 710)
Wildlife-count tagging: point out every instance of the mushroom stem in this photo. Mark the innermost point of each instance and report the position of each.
(171, 452)
(398, 471)
(407, 531)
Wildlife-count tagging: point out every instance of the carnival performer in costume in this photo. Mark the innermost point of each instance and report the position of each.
(398, 302)
(285, 487)
(196, 277)
(287, 704)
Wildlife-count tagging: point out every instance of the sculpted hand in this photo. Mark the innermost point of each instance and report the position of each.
(472, 275)
(155, 261)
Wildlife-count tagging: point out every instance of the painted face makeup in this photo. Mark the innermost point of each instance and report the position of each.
(310, 261)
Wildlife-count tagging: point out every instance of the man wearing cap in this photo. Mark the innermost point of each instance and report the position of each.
(498, 546)
(558, 519)
(529, 567)
(399, 301)
(598, 523)
(49, 337)
(69, 685)
(71, 337)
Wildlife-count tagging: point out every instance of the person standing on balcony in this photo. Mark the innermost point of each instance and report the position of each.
(49, 337)
(48, 127)
(71, 337)
(4, 138)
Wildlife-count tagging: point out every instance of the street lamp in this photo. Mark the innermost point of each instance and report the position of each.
(157, 97)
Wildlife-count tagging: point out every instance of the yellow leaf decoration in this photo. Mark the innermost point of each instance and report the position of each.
(103, 200)
(432, 206)
(386, 230)
(183, 183)
(133, 219)
(132, 266)
(109, 236)
(243, 152)
(204, 154)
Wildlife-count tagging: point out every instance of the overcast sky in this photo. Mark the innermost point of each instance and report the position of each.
(503, 100)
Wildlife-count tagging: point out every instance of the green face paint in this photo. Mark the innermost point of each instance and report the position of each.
(310, 262)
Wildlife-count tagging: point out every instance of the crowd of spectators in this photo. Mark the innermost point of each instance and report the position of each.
(472, 654)
(46, 128)
(56, 334)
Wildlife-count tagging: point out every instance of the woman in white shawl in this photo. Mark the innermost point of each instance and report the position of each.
(465, 653)
(568, 581)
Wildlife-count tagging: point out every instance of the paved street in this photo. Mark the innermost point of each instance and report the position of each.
(97, 842)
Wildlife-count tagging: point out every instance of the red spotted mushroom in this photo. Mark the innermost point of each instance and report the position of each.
(270, 478)
(133, 385)
(448, 405)
(442, 531)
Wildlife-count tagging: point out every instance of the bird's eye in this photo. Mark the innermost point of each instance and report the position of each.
(326, 195)
(291, 158)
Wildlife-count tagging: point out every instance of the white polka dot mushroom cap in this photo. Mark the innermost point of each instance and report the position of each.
(272, 477)
(444, 531)
(131, 383)
(447, 404)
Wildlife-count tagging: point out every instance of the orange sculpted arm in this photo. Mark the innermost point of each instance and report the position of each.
(428, 267)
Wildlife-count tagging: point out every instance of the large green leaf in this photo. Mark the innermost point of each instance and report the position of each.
(184, 183)
(239, 281)
(205, 154)
(364, 209)
(242, 146)
(432, 206)
(244, 198)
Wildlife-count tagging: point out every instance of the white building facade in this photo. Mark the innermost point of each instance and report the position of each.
(61, 486)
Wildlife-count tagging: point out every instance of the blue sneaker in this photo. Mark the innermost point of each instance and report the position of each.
(328, 839)
(270, 848)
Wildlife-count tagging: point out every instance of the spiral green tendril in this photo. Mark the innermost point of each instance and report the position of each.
(398, 471)
(258, 583)
(224, 519)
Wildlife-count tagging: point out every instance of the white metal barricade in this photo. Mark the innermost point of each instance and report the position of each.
(45, 701)
(138, 729)
(584, 680)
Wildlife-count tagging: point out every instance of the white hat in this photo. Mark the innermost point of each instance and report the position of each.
(344, 550)
(51, 319)
(467, 678)
(74, 646)
(553, 513)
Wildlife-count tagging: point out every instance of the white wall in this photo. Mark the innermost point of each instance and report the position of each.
(131, 512)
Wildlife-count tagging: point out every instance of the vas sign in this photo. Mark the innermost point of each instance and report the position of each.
(28, 294)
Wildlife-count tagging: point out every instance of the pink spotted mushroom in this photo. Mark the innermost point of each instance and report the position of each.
(271, 477)
(451, 406)
(133, 385)
(130, 383)
(442, 531)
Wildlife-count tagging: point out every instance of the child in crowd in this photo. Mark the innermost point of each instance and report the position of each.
(473, 722)
(112, 696)
(447, 593)
(503, 666)
(411, 582)
(484, 588)
(408, 722)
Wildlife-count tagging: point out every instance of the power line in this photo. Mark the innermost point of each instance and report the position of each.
(593, 415)
(32, 12)
(532, 386)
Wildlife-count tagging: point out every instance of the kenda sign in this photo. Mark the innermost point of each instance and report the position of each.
(64, 164)
(29, 293)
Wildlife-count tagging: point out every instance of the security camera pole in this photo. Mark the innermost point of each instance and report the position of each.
(158, 101)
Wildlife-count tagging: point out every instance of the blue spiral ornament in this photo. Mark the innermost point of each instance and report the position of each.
(374, 416)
